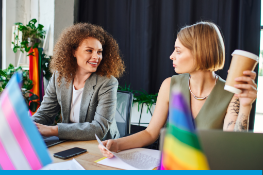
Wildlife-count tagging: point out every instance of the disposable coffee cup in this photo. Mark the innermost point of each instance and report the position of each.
(241, 61)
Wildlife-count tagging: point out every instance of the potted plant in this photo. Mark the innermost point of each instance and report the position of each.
(142, 107)
(31, 36)
(30, 98)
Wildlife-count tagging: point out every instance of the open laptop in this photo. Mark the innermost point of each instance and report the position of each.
(51, 141)
(230, 150)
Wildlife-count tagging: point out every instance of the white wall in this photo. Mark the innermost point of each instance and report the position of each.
(63, 16)
(58, 14)
(47, 18)
(9, 18)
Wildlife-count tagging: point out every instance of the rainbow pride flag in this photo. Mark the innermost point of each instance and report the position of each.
(181, 148)
(21, 145)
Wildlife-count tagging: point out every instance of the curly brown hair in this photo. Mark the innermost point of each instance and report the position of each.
(65, 64)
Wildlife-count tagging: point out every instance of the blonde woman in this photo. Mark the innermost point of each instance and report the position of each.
(198, 51)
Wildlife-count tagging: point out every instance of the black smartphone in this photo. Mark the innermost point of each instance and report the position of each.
(69, 153)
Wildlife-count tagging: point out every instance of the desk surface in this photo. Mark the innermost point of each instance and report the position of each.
(86, 160)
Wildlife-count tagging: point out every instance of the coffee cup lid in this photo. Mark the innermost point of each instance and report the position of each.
(246, 54)
(232, 89)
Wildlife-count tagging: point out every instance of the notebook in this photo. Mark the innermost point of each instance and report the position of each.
(52, 140)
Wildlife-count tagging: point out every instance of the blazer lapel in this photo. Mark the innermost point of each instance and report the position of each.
(66, 97)
(86, 96)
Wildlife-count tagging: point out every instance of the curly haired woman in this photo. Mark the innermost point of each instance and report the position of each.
(85, 63)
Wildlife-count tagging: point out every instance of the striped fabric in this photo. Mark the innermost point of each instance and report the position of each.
(181, 150)
(35, 79)
(21, 146)
(41, 84)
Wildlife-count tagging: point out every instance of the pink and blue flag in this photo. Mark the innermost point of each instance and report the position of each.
(21, 145)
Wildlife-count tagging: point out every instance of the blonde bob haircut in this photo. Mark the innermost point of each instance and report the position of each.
(205, 42)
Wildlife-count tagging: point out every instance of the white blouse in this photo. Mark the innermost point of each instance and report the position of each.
(75, 105)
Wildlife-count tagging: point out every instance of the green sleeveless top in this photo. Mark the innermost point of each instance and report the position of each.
(212, 113)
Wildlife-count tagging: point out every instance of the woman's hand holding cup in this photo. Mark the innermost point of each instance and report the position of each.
(248, 87)
(111, 145)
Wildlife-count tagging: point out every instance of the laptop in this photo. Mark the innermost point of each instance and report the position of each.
(230, 150)
(52, 140)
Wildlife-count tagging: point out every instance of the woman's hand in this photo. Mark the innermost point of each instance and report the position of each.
(47, 130)
(111, 145)
(249, 89)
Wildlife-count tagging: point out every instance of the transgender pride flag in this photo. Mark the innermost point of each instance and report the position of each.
(21, 145)
(181, 149)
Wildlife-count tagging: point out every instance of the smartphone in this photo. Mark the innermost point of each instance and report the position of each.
(69, 153)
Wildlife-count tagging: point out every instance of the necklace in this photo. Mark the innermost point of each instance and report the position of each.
(199, 98)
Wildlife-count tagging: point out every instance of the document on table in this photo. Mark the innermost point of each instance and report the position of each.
(137, 158)
(68, 165)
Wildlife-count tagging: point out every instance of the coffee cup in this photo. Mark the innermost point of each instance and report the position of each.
(241, 61)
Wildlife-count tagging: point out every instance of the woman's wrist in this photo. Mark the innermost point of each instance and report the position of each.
(117, 142)
(246, 107)
(54, 130)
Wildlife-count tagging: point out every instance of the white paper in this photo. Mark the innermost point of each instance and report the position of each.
(138, 158)
(116, 163)
(69, 165)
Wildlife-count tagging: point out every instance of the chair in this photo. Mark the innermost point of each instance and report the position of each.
(123, 112)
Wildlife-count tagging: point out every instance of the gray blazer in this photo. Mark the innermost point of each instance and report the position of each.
(97, 110)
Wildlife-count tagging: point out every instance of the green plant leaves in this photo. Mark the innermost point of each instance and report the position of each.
(2, 73)
(31, 53)
(33, 21)
(36, 45)
(33, 97)
(5, 76)
(24, 42)
(11, 66)
(18, 23)
(40, 27)
(27, 49)
(29, 31)
(33, 106)
(45, 66)
(14, 49)
(141, 97)
(22, 28)
(125, 88)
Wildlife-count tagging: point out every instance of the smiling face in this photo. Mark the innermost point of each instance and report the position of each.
(183, 60)
(89, 55)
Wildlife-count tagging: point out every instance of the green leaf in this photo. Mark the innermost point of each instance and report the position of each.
(33, 106)
(34, 21)
(14, 49)
(29, 87)
(13, 43)
(22, 28)
(40, 27)
(36, 45)
(33, 97)
(18, 23)
(31, 53)
(24, 42)
(16, 38)
(27, 49)
(2, 73)
(10, 66)
(4, 85)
